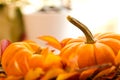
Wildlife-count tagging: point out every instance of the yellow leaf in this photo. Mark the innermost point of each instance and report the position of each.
(33, 74)
(52, 73)
(68, 75)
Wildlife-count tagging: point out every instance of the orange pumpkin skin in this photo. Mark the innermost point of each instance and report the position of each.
(86, 54)
(117, 59)
(110, 39)
(19, 57)
(16, 56)
(93, 54)
(107, 35)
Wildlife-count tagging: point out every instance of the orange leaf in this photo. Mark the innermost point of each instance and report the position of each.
(68, 76)
(33, 74)
(14, 78)
(65, 41)
(51, 41)
(85, 74)
(52, 73)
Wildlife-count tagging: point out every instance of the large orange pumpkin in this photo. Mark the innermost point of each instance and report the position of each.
(19, 57)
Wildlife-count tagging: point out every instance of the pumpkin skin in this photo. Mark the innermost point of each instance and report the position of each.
(117, 59)
(86, 54)
(110, 39)
(19, 57)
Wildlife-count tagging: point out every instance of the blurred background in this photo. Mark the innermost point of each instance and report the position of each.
(28, 19)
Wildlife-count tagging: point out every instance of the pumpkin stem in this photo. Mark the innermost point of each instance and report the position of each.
(85, 30)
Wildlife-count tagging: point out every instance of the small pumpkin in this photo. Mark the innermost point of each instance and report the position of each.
(19, 57)
(90, 50)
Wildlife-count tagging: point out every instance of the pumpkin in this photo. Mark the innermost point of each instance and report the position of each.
(19, 57)
(90, 50)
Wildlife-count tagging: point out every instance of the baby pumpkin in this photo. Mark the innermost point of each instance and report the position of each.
(90, 50)
(19, 57)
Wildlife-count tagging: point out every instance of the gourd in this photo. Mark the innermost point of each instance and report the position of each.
(20, 57)
(89, 50)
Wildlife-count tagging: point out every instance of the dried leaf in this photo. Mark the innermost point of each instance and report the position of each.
(14, 78)
(68, 76)
(100, 66)
(65, 41)
(105, 72)
(89, 72)
(52, 73)
(51, 41)
(86, 74)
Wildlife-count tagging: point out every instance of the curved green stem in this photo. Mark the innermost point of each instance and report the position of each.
(85, 30)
